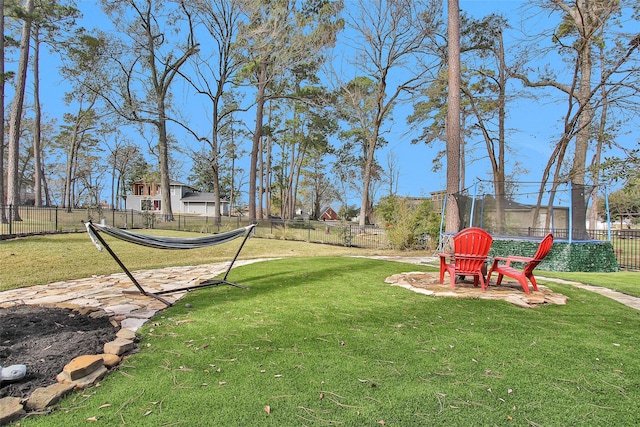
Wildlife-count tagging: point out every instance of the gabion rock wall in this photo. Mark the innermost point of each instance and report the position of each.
(582, 256)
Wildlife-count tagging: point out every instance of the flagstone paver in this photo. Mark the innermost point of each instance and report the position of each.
(429, 283)
(107, 293)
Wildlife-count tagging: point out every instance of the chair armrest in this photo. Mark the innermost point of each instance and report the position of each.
(509, 259)
(515, 258)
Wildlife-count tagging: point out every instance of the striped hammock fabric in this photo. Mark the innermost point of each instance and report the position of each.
(163, 242)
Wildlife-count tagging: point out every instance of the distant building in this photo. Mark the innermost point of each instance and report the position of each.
(437, 200)
(184, 199)
(328, 214)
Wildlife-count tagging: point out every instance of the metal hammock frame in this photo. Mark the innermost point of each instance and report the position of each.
(172, 243)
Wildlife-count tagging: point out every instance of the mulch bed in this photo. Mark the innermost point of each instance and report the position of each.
(45, 340)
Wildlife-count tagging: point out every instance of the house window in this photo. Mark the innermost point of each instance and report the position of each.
(146, 205)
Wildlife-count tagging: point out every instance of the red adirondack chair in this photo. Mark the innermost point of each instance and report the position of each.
(470, 249)
(521, 276)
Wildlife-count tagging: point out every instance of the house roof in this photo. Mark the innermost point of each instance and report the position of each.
(199, 197)
(180, 184)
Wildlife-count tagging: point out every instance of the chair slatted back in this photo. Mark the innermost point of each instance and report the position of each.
(541, 253)
(471, 247)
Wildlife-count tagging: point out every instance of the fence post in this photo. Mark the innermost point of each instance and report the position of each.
(606, 201)
(10, 219)
(570, 212)
(56, 216)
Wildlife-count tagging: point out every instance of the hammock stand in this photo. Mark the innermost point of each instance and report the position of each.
(160, 242)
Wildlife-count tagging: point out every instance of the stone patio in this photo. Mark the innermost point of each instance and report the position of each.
(509, 291)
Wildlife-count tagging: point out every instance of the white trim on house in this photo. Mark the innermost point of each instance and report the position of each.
(184, 199)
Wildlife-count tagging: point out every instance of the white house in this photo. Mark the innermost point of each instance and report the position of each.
(184, 199)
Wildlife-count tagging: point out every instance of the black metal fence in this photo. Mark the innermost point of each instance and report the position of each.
(43, 220)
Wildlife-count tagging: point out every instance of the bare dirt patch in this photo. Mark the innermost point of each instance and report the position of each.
(46, 339)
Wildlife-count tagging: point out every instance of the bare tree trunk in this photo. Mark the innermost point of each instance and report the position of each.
(72, 150)
(366, 180)
(3, 214)
(261, 174)
(163, 151)
(37, 136)
(267, 176)
(601, 139)
(499, 163)
(13, 177)
(45, 188)
(453, 118)
(577, 174)
(257, 136)
(267, 171)
(287, 203)
(215, 158)
(463, 154)
(296, 180)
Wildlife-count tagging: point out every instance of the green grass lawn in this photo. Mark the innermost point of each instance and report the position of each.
(623, 281)
(46, 259)
(321, 341)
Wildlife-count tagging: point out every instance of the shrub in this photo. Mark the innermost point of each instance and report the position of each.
(408, 225)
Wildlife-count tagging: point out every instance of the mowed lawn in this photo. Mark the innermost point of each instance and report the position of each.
(46, 259)
(323, 341)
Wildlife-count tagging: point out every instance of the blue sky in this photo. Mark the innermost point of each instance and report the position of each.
(533, 136)
(535, 124)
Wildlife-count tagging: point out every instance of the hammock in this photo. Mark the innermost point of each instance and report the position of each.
(163, 242)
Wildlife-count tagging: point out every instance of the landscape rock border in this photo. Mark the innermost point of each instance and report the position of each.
(80, 373)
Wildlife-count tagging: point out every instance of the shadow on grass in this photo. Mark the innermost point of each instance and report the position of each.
(274, 277)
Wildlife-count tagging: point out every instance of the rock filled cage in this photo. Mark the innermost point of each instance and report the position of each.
(519, 214)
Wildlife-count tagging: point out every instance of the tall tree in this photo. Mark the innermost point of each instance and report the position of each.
(13, 177)
(215, 71)
(485, 89)
(316, 187)
(305, 139)
(76, 138)
(583, 25)
(3, 214)
(147, 64)
(452, 219)
(51, 19)
(483, 101)
(122, 155)
(389, 39)
(82, 61)
(358, 110)
(279, 35)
